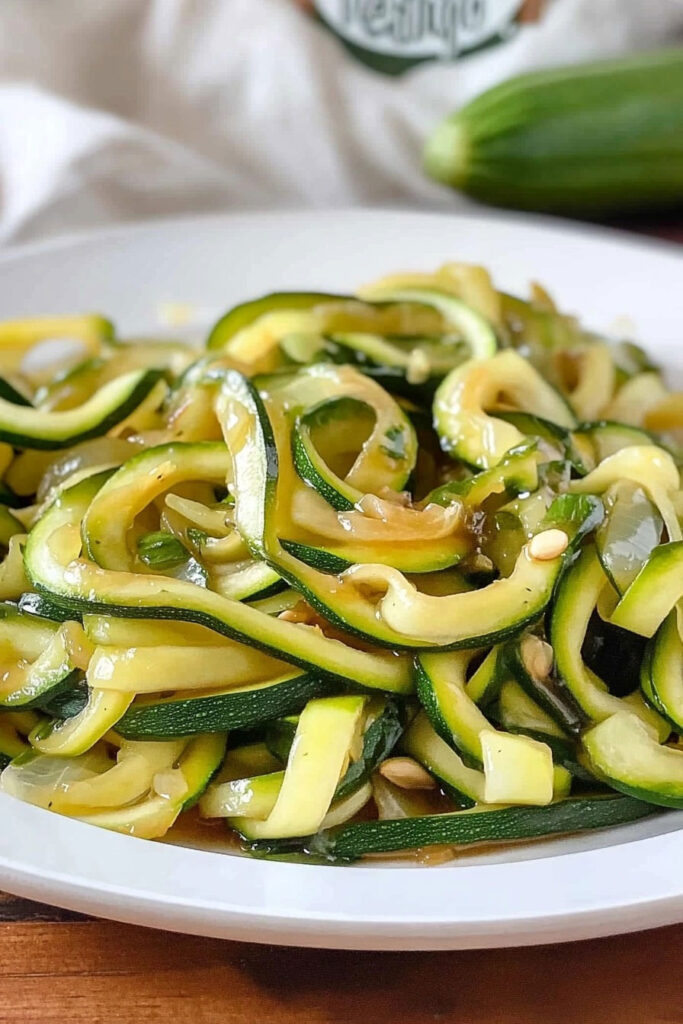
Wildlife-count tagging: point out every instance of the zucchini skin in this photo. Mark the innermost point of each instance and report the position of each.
(247, 312)
(42, 606)
(10, 394)
(47, 693)
(593, 138)
(654, 592)
(325, 559)
(67, 701)
(661, 673)
(552, 695)
(221, 712)
(577, 814)
(41, 434)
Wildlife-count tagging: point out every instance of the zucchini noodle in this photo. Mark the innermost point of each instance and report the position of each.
(368, 574)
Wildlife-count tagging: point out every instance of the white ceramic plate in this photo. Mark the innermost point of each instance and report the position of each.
(620, 880)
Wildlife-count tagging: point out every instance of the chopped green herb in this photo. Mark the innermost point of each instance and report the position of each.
(396, 448)
(161, 550)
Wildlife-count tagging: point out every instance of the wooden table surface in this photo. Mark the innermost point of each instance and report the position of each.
(58, 967)
(61, 967)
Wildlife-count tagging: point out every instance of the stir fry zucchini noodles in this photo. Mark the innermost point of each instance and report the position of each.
(367, 574)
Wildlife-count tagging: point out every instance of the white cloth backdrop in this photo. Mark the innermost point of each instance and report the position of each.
(115, 110)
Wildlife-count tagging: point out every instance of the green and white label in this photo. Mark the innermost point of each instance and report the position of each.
(411, 31)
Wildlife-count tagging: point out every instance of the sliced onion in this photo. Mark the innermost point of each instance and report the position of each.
(111, 451)
(39, 778)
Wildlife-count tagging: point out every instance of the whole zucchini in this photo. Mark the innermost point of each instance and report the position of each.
(593, 138)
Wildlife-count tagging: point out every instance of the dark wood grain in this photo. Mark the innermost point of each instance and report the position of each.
(60, 966)
(80, 973)
(15, 908)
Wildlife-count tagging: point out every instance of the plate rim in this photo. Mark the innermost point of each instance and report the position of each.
(304, 927)
(337, 929)
(589, 230)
